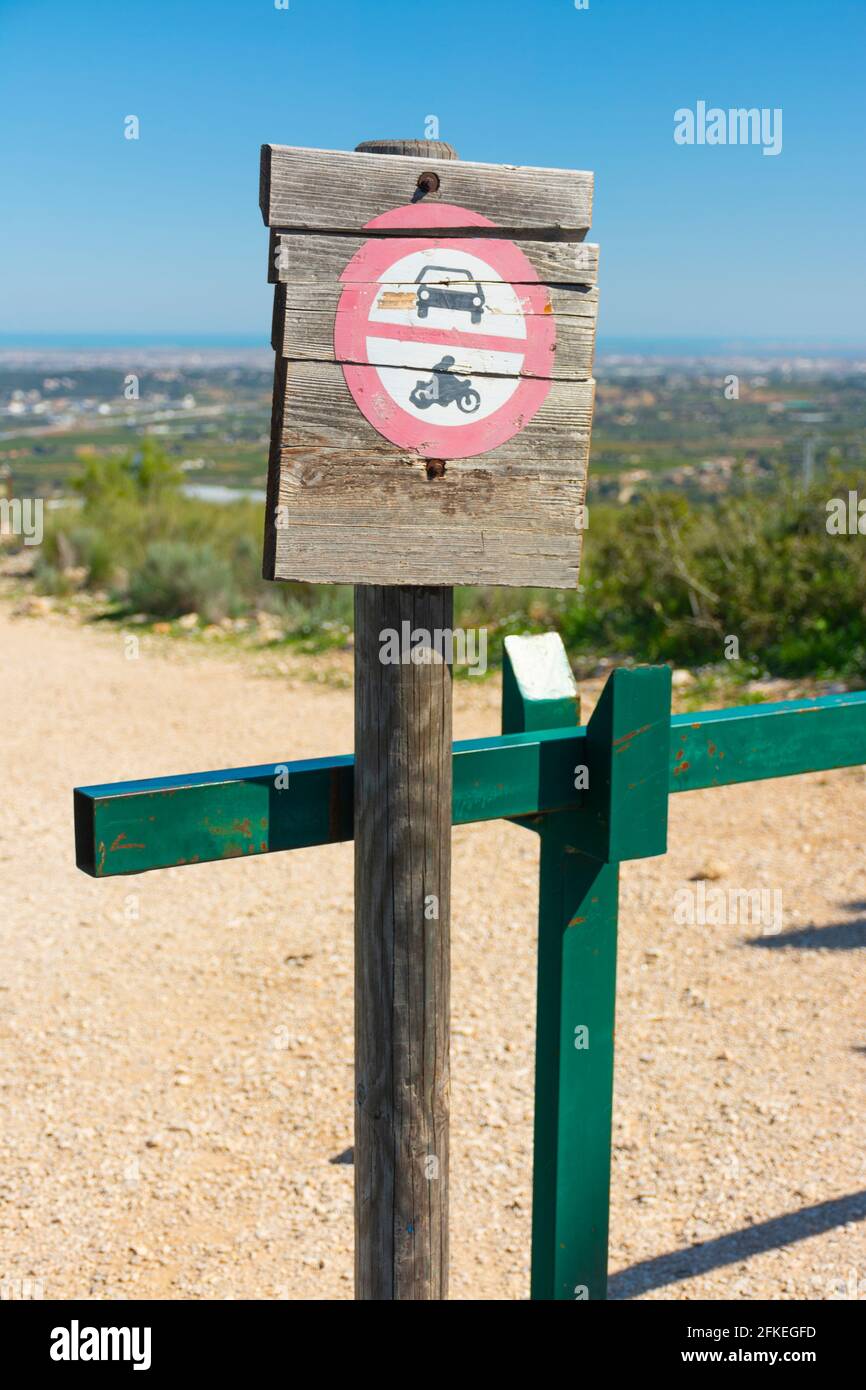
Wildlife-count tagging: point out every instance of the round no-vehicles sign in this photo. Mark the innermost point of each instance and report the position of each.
(446, 343)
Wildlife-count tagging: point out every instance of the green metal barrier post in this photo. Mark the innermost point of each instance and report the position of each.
(624, 816)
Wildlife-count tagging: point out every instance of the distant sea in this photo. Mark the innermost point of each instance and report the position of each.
(683, 348)
(104, 341)
(692, 347)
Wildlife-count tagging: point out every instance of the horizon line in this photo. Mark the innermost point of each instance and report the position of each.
(610, 342)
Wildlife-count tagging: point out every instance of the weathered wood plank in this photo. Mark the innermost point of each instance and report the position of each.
(307, 258)
(410, 563)
(341, 517)
(303, 328)
(319, 190)
(320, 483)
(318, 412)
(404, 555)
(365, 511)
(347, 506)
(572, 301)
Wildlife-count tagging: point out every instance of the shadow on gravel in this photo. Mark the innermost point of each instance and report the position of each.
(840, 936)
(739, 1245)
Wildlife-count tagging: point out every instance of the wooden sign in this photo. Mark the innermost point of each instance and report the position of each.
(434, 324)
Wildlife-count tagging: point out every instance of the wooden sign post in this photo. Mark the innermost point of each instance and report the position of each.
(434, 325)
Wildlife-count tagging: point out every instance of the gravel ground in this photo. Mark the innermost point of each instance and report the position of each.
(177, 1048)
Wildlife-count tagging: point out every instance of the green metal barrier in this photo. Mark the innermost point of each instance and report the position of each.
(597, 795)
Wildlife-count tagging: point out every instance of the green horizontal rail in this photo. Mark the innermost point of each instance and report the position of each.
(130, 827)
(718, 748)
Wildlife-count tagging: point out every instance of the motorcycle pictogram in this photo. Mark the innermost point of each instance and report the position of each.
(445, 387)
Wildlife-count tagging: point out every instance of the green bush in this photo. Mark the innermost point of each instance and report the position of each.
(50, 580)
(667, 580)
(176, 578)
(663, 579)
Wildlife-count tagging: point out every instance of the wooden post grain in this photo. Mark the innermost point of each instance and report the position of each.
(403, 792)
(402, 951)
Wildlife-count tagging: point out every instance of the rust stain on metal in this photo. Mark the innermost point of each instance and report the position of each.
(117, 843)
(101, 862)
(576, 921)
(626, 740)
(711, 748)
(237, 827)
(682, 768)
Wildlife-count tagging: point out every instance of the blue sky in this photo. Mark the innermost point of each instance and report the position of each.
(163, 237)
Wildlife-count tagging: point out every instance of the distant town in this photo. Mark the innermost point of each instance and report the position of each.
(703, 424)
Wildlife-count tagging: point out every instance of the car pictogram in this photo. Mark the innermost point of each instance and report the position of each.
(470, 299)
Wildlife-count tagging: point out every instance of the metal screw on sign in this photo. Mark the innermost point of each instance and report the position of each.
(427, 183)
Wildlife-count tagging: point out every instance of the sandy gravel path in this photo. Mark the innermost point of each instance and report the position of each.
(177, 1048)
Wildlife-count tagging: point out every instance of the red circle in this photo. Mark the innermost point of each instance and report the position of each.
(362, 283)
